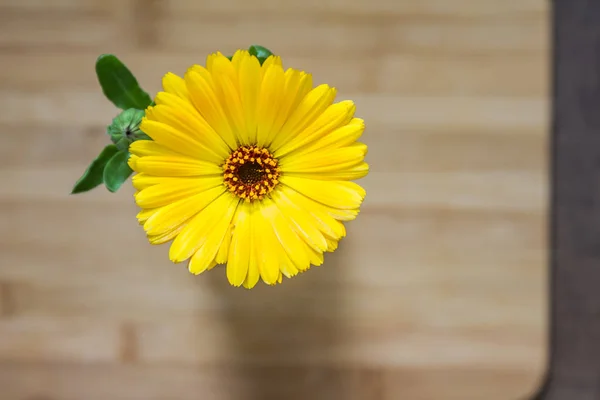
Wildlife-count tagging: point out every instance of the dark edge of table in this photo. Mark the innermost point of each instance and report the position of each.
(574, 354)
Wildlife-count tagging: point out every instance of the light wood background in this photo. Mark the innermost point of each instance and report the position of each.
(439, 291)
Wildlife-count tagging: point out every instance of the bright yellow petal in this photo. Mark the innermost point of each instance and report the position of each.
(201, 86)
(208, 144)
(216, 228)
(292, 244)
(239, 249)
(226, 82)
(271, 96)
(175, 102)
(337, 194)
(223, 253)
(174, 189)
(332, 244)
(330, 160)
(340, 137)
(348, 174)
(151, 148)
(194, 235)
(143, 181)
(335, 116)
(165, 237)
(173, 166)
(238, 57)
(301, 221)
(309, 109)
(175, 85)
(253, 275)
(250, 82)
(297, 85)
(325, 222)
(270, 213)
(265, 243)
(178, 141)
(336, 213)
(143, 215)
(316, 257)
(171, 216)
(270, 61)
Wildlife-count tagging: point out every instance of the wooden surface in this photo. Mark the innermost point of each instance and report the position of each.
(439, 290)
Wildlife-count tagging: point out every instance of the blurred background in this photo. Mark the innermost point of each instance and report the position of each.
(438, 292)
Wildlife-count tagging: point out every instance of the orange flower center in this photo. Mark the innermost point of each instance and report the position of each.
(251, 172)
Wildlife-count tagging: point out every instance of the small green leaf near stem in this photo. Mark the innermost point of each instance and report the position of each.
(117, 171)
(119, 85)
(260, 52)
(94, 174)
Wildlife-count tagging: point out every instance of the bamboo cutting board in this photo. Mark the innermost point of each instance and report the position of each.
(437, 293)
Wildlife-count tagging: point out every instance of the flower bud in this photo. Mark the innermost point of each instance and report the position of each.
(125, 128)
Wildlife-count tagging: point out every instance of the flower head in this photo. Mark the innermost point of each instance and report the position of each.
(249, 166)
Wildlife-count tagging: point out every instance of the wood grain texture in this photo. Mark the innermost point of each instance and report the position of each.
(437, 293)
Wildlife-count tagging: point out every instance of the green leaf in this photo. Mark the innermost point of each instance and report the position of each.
(119, 85)
(260, 52)
(93, 176)
(117, 171)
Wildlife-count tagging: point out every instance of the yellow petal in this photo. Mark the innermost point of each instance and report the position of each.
(294, 247)
(316, 257)
(238, 57)
(143, 215)
(209, 145)
(175, 85)
(171, 216)
(239, 249)
(178, 141)
(165, 237)
(201, 87)
(143, 148)
(250, 82)
(142, 181)
(332, 244)
(223, 252)
(337, 194)
(216, 227)
(309, 109)
(174, 189)
(271, 96)
(301, 221)
(173, 101)
(340, 137)
(270, 61)
(253, 275)
(297, 85)
(325, 222)
(288, 196)
(265, 242)
(194, 235)
(226, 83)
(335, 116)
(330, 160)
(348, 174)
(174, 166)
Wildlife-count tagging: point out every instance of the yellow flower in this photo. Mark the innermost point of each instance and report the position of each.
(249, 166)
